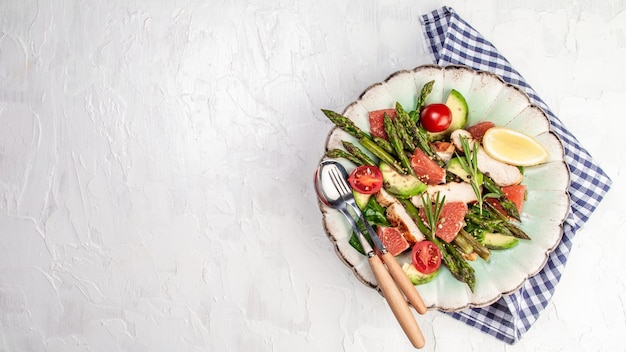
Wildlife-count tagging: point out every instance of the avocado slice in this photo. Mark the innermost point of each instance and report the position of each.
(416, 277)
(401, 186)
(454, 167)
(458, 106)
(497, 241)
(361, 199)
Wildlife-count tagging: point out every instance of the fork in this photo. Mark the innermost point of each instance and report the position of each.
(401, 279)
(388, 286)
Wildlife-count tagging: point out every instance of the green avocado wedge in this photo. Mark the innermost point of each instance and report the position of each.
(458, 106)
(401, 186)
(498, 241)
(361, 199)
(416, 277)
(454, 167)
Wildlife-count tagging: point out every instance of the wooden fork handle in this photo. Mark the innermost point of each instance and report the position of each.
(403, 282)
(397, 303)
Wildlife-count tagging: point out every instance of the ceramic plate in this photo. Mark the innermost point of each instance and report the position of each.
(547, 204)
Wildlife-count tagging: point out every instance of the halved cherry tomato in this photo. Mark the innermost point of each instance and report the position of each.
(366, 179)
(436, 117)
(426, 257)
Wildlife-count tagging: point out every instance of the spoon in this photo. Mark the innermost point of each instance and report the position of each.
(330, 196)
(331, 175)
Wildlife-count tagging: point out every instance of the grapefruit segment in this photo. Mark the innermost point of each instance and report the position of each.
(377, 124)
(426, 169)
(514, 193)
(392, 239)
(451, 220)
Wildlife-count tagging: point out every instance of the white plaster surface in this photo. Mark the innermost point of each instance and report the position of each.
(157, 157)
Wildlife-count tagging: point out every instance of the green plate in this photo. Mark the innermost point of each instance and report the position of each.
(488, 98)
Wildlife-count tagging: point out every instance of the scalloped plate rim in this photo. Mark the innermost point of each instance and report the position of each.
(323, 208)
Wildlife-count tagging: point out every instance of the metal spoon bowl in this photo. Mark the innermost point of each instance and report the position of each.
(330, 196)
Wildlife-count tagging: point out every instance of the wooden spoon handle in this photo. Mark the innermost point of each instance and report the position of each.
(396, 301)
(403, 282)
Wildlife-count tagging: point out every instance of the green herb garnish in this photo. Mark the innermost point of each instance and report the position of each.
(432, 211)
(469, 163)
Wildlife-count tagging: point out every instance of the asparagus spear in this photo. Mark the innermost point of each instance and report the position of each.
(421, 98)
(357, 152)
(345, 124)
(403, 117)
(381, 154)
(516, 231)
(384, 144)
(463, 245)
(507, 204)
(407, 140)
(508, 225)
(464, 272)
(476, 246)
(338, 153)
(397, 144)
(381, 150)
(493, 221)
(419, 135)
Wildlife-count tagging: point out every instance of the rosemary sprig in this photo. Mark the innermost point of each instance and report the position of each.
(432, 211)
(469, 163)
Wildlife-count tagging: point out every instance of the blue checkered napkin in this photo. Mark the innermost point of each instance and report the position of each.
(454, 42)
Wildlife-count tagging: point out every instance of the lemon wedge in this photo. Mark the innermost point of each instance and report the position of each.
(514, 148)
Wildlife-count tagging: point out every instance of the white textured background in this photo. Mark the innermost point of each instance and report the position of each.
(156, 162)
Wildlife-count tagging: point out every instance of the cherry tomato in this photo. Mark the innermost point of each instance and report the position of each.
(436, 117)
(366, 179)
(426, 257)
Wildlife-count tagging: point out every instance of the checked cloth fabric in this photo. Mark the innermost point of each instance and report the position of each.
(452, 41)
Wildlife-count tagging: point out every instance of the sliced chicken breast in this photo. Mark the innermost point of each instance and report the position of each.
(384, 198)
(400, 219)
(502, 174)
(453, 191)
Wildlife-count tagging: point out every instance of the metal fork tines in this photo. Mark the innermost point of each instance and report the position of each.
(344, 190)
(340, 184)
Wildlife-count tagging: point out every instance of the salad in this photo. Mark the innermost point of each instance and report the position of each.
(432, 186)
